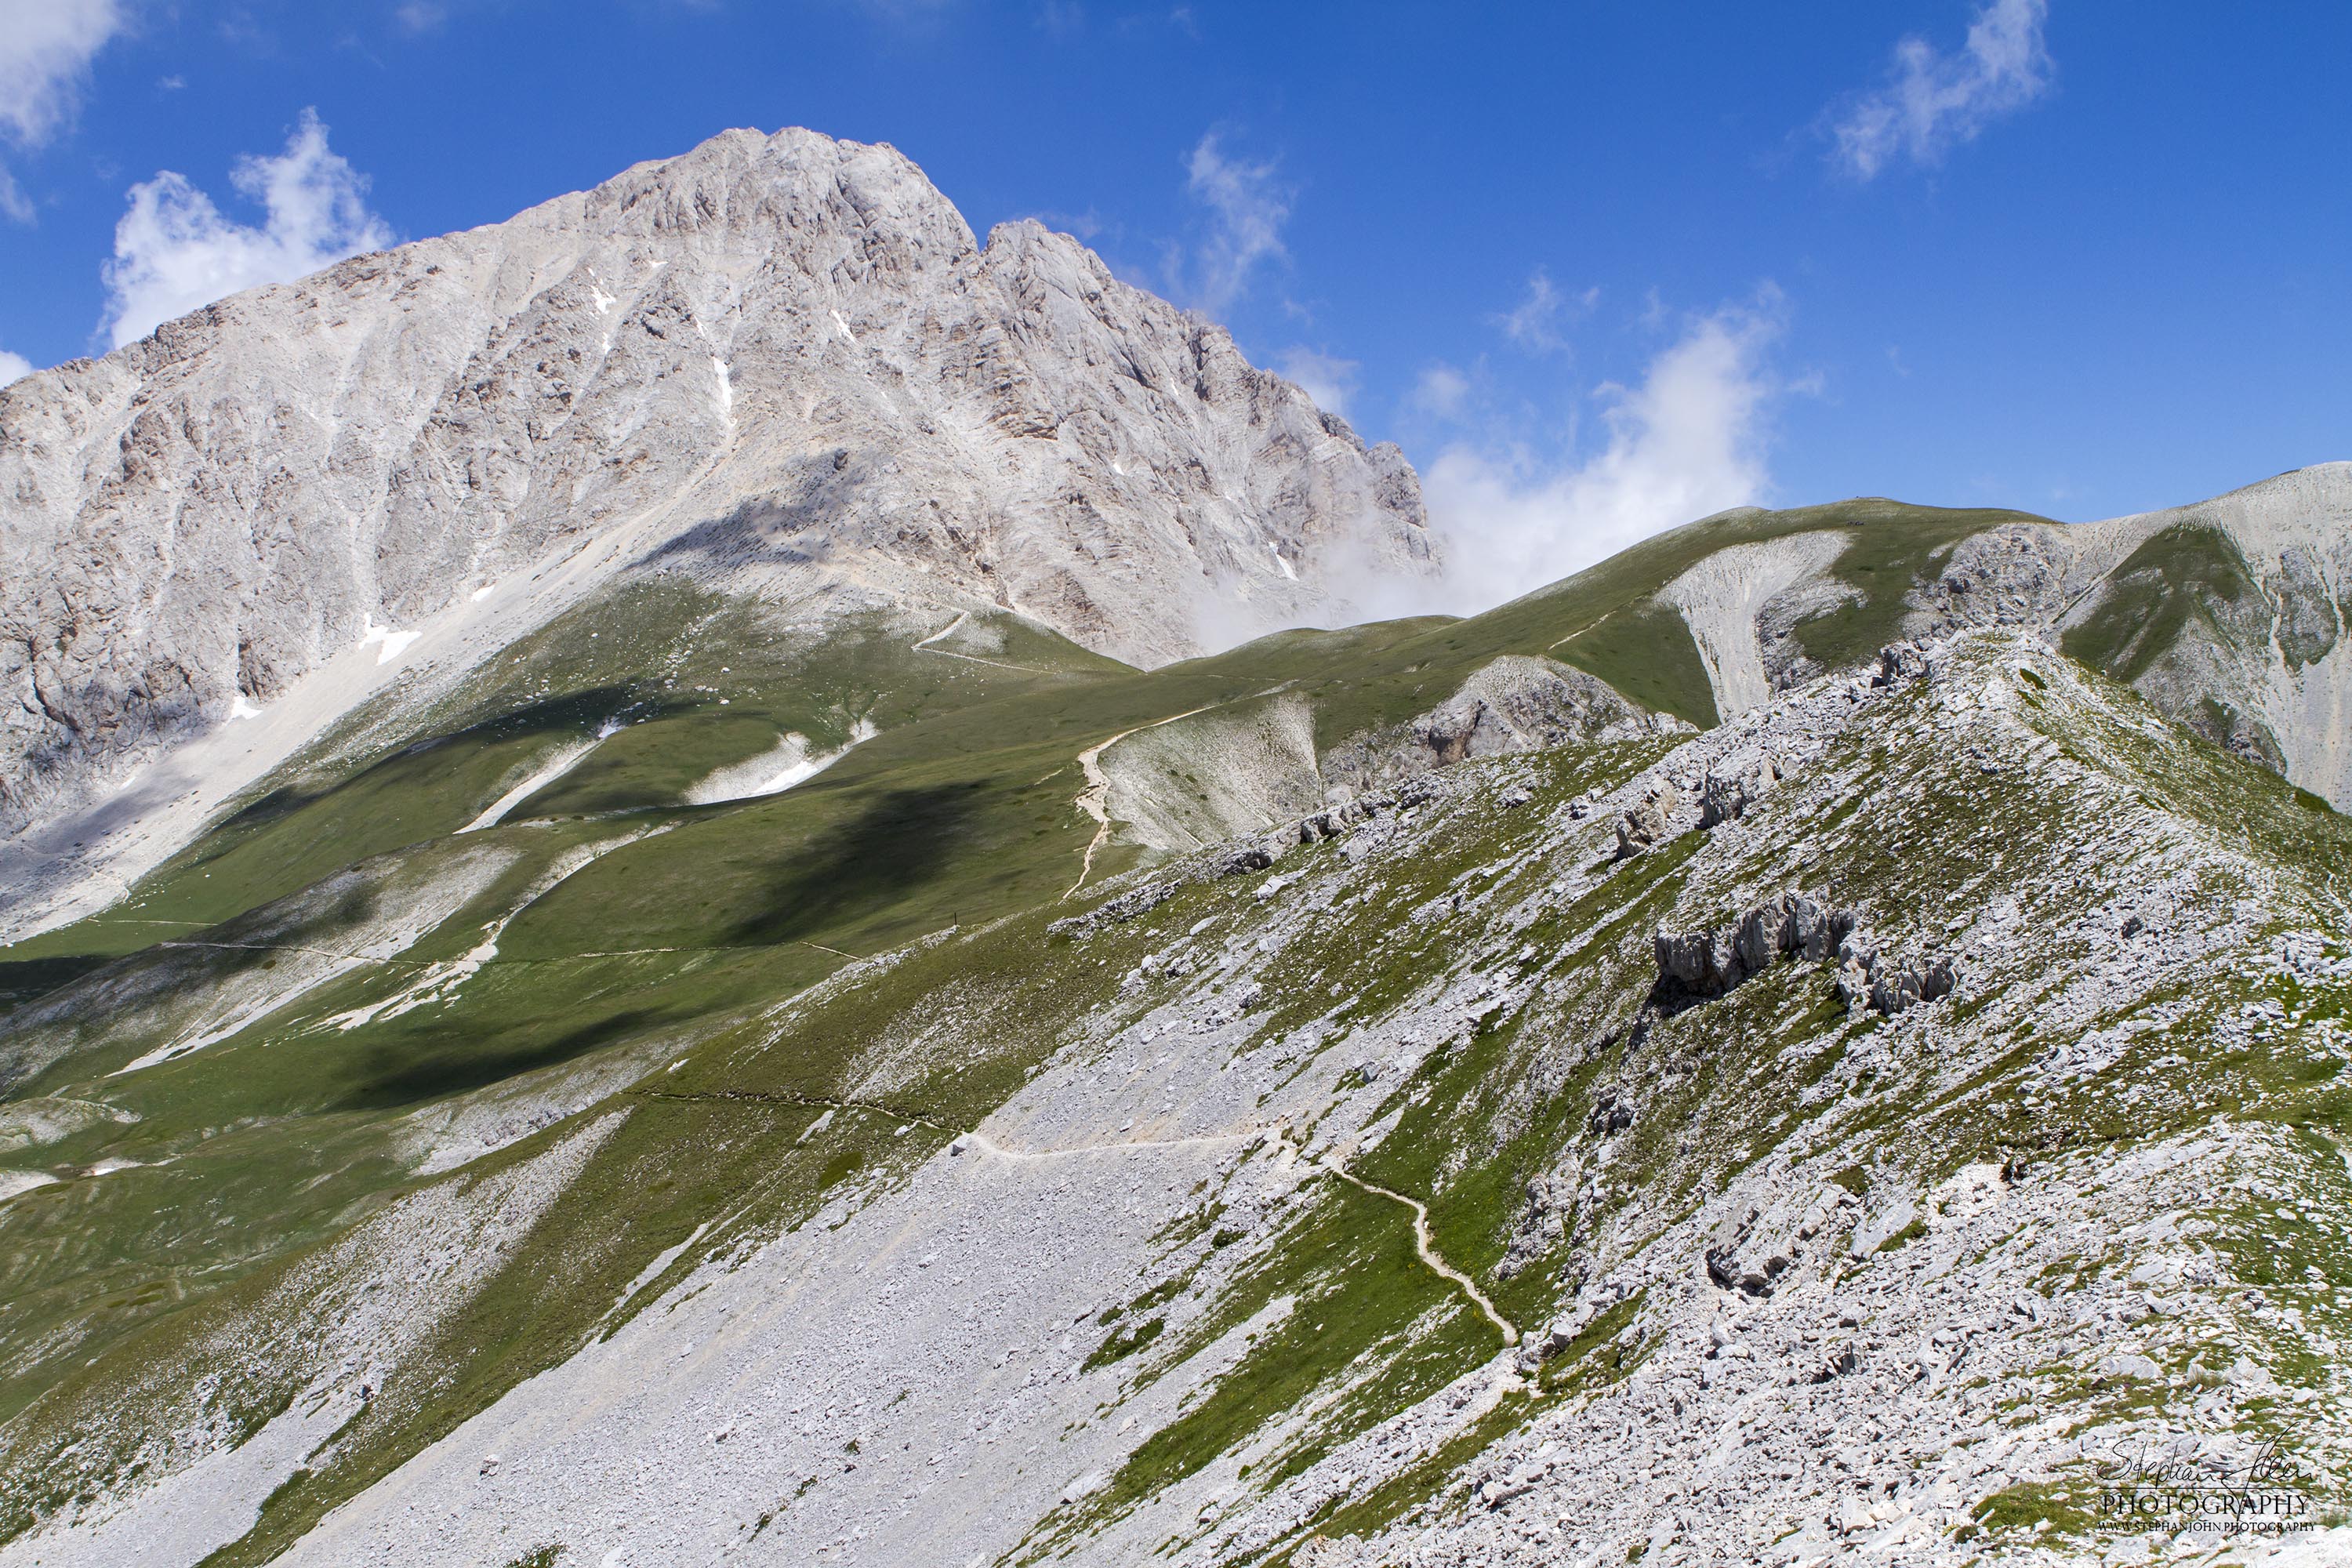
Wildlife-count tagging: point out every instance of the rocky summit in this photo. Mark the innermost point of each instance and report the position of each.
(656, 914)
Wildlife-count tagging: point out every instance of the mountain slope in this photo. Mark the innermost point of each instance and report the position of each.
(2226, 614)
(717, 1011)
(1074, 1236)
(774, 364)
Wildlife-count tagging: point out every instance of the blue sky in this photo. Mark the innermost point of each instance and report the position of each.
(1598, 269)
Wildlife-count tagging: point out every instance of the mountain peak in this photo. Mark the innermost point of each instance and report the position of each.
(780, 364)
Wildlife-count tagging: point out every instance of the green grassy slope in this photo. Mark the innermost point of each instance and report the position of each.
(1606, 619)
(633, 931)
(264, 1151)
(961, 811)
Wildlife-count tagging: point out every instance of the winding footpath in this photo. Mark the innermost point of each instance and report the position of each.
(1094, 799)
(1437, 1264)
(925, 646)
(972, 1138)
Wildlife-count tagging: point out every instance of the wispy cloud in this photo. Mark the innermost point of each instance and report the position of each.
(14, 367)
(1689, 440)
(1932, 101)
(1248, 206)
(174, 251)
(46, 47)
(1441, 392)
(1534, 323)
(1329, 380)
(1086, 225)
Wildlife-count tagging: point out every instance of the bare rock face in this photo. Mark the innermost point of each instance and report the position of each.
(773, 356)
(1514, 703)
(1794, 925)
(2013, 576)
(1648, 824)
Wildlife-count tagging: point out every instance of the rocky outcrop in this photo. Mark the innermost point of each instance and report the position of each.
(1892, 985)
(1516, 703)
(1727, 795)
(1710, 962)
(1705, 963)
(1649, 824)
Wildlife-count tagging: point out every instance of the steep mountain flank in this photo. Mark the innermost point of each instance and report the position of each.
(2230, 614)
(1374, 1189)
(772, 366)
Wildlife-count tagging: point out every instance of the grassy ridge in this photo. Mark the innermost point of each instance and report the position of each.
(261, 1151)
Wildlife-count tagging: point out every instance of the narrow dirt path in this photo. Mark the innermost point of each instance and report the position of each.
(552, 958)
(1094, 799)
(1577, 632)
(1428, 1253)
(961, 616)
(983, 1141)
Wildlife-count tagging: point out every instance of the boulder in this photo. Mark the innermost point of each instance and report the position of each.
(1899, 661)
(1647, 824)
(1726, 796)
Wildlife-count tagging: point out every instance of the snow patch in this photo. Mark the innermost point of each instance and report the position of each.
(662, 1259)
(563, 762)
(774, 772)
(440, 980)
(15, 1182)
(238, 707)
(395, 643)
(236, 1002)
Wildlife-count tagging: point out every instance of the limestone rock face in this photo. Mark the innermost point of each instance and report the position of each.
(774, 354)
(1515, 703)
(1793, 925)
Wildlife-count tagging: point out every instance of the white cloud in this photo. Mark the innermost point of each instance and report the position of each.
(1330, 382)
(1534, 323)
(1247, 207)
(1086, 225)
(1442, 391)
(1932, 101)
(174, 251)
(14, 367)
(46, 48)
(1688, 441)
